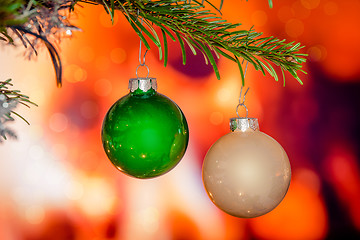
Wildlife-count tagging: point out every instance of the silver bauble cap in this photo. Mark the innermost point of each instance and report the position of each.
(244, 124)
(142, 83)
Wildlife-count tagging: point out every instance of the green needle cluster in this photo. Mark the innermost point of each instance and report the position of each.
(204, 31)
(196, 24)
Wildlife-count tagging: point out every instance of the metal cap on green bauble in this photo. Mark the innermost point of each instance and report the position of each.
(143, 84)
(145, 134)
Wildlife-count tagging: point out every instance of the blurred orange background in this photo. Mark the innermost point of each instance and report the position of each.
(57, 183)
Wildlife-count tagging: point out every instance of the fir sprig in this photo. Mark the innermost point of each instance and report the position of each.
(35, 21)
(9, 99)
(16, 95)
(190, 23)
(187, 22)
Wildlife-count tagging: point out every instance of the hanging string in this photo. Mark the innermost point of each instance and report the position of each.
(141, 59)
(242, 97)
(246, 66)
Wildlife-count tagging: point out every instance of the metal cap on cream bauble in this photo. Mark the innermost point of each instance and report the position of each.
(246, 173)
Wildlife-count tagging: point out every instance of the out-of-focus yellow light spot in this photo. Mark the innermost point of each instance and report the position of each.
(317, 53)
(74, 73)
(259, 18)
(331, 8)
(80, 75)
(310, 4)
(299, 11)
(118, 55)
(294, 28)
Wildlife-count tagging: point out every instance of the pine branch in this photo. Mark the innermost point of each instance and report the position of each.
(9, 99)
(201, 29)
(35, 20)
(14, 94)
(187, 22)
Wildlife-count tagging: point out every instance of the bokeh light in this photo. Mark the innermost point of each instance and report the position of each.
(57, 183)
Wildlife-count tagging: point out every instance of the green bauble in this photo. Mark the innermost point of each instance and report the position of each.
(144, 133)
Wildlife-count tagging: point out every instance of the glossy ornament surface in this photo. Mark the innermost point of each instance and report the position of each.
(246, 173)
(144, 133)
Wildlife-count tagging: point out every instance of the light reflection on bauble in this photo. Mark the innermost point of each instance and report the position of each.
(246, 173)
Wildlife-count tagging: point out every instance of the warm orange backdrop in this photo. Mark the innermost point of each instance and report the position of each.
(56, 182)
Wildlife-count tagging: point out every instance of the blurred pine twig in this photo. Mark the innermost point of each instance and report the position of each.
(9, 100)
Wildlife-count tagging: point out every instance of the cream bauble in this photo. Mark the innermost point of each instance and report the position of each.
(246, 173)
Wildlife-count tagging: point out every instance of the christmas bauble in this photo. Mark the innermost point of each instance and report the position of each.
(246, 173)
(144, 133)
